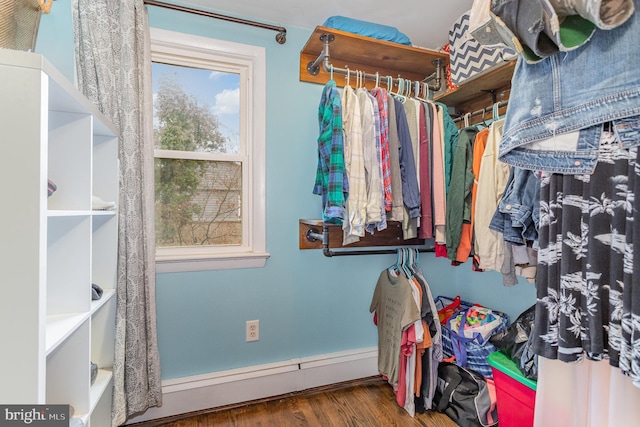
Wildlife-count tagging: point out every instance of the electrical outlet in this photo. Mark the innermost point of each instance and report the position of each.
(253, 330)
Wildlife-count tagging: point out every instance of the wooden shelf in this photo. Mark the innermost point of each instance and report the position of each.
(392, 236)
(367, 54)
(476, 93)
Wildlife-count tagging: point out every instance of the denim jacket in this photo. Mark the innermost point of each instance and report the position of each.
(556, 116)
(518, 213)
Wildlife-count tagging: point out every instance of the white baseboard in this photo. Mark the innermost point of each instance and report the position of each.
(200, 392)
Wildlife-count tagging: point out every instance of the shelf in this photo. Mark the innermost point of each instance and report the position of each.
(478, 92)
(67, 213)
(392, 236)
(63, 95)
(367, 54)
(56, 246)
(103, 213)
(107, 294)
(60, 327)
(99, 386)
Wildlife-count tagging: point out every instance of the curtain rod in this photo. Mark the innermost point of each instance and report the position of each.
(281, 37)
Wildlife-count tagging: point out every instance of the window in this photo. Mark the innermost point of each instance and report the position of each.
(209, 148)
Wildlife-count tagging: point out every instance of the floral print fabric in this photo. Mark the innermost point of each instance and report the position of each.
(588, 301)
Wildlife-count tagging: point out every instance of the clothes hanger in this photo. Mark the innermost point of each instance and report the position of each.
(425, 92)
(347, 79)
(496, 111)
(411, 263)
(405, 263)
(395, 268)
(331, 73)
(467, 116)
(484, 122)
(377, 80)
(399, 93)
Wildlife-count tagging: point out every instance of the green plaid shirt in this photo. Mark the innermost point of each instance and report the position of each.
(331, 177)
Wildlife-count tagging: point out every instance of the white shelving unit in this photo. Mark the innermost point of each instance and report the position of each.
(54, 248)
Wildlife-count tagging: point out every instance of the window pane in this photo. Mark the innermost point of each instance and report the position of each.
(195, 109)
(198, 203)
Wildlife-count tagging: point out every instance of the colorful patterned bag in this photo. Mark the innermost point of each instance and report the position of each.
(468, 348)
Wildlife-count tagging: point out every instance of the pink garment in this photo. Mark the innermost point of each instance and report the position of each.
(440, 250)
(406, 348)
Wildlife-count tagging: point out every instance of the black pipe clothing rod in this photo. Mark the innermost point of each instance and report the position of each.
(313, 235)
(329, 253)
(281, 37)
(480, 112)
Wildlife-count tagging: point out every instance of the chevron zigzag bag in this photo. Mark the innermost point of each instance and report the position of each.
(467, 57)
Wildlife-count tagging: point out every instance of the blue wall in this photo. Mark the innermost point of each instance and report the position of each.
(307, 304)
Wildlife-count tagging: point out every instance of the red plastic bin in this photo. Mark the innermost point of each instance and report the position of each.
(515, 394)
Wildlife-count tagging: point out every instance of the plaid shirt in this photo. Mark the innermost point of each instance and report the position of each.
(381, 95)
(331, 179)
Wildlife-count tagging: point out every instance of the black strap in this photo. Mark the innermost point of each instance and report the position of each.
(447, 392)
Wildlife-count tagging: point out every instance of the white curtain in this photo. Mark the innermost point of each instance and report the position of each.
(113, 64)
(584, 394)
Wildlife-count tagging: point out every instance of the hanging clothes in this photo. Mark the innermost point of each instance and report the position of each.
(589, 238)
(425, 179)
(459, 195)
(331, 179)
(410, 191)
(419, 348)
(356, 203)
(395, 311)
(397, 203)
(465, 248)
(450, 137)
(376, 216)
(439, 184)
(492, 180)
(381, 97)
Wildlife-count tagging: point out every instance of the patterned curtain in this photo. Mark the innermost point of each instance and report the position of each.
(114, 71)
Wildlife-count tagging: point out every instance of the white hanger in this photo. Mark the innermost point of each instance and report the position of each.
(400, 93)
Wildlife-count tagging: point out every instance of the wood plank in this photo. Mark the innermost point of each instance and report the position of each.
(497, 79)
(363, 402)
(392, 236)
(367, 54)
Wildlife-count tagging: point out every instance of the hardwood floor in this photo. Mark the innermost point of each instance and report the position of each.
(368, 402)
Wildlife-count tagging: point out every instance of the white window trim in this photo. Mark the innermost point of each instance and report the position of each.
(201, 50)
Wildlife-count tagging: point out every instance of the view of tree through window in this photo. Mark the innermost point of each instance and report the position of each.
(198, 157)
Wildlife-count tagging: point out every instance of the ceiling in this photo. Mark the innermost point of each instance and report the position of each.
(425, 22)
